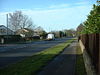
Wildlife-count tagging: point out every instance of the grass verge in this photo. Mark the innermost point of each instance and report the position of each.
(80, 66)
(33, 64)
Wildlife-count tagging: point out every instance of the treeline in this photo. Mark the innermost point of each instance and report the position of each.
(92, 24)
(65, 33)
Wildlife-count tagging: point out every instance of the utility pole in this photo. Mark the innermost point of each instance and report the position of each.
(7, 23)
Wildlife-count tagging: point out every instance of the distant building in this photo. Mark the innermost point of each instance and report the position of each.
(25, 32)
(38, 31)
(5, 31)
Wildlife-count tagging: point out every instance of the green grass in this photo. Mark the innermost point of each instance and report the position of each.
(80, 66)
(31, 65)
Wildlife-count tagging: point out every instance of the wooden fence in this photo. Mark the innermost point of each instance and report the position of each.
(92, 46)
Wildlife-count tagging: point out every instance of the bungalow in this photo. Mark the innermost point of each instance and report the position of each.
(5, 31)
(25, 32)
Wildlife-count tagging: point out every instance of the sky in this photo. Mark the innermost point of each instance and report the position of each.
(51, 15)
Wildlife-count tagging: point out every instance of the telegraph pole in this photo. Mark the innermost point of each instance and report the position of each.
(7, 23)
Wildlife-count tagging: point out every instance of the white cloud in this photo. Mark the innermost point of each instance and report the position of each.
(82, 3)
(56, 19)
(3, 18)
(71, 17)
(59, 6)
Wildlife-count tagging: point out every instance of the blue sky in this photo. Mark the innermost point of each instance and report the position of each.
(49, 14)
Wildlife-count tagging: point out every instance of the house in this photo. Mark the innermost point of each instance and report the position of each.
(38, 31)
(25, 32)
(5, 31)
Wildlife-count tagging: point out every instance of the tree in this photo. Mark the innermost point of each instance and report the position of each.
(92, 24)
(18, 20)
(80, 29)
(61, 33)
(40, 31)
(56, 33)
(25, 32)
(70, 33)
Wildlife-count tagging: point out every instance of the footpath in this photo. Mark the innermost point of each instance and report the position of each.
(63, 64)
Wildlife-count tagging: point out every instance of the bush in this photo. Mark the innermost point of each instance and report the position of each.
(10, 38)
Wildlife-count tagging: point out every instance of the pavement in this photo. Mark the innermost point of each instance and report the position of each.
(63, 64)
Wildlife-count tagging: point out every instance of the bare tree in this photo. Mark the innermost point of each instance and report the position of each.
(18, 20)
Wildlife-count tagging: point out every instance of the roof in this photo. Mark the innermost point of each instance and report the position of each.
(2, 26)
(5, 27)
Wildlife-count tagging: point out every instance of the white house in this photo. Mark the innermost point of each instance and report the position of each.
(4, 30)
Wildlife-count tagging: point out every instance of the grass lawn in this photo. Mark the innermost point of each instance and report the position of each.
(80, 66)
(31, 65)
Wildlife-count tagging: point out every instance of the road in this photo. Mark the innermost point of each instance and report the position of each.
(13, 53)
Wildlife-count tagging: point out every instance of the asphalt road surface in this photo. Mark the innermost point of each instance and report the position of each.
(12, 53)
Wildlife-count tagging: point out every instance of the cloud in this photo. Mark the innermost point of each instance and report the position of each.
(81, 3)
(58, 18)
(59, 6)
